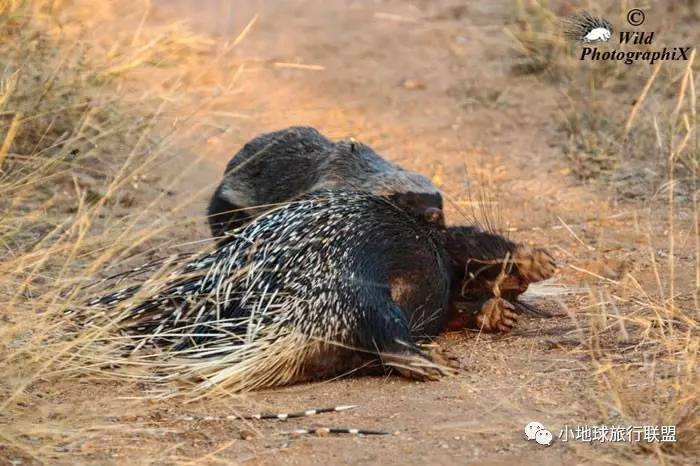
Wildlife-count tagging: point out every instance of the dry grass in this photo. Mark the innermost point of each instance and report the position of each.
(641, 342)
(77, 159)
(597, 96)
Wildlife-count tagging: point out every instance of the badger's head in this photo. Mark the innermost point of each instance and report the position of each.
(356, 165)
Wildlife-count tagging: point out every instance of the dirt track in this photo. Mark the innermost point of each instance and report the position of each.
(428, 86)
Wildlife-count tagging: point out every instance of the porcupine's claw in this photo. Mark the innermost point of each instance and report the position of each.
(415, 364)
(443, 357)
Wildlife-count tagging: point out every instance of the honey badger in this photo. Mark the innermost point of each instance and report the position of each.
(330, 283)
(280, 166)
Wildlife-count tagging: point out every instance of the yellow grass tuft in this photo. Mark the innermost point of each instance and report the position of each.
(78, 147)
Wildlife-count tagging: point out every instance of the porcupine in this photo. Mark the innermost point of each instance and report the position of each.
(330, 283)
(276, 167)
(282, 165)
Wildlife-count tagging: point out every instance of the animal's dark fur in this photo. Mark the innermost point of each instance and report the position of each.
(279, 166)
(330, 242)
(350, 269)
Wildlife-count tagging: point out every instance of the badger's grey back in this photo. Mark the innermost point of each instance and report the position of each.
(282, 165)
(353, 165)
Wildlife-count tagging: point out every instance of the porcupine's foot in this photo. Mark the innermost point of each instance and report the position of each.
(496, 315)
(443, 356)
(534, 264)
(418, 365)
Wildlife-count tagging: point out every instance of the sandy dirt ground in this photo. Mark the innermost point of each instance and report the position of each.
(428, 85)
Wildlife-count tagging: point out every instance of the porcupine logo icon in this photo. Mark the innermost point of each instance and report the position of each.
(586, 28)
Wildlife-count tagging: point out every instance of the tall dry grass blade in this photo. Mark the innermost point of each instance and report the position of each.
(9, 138)
(641, 98)
(672, 156)
(246, 30)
